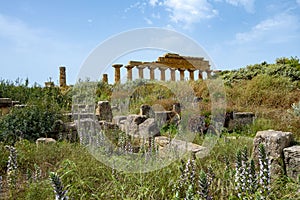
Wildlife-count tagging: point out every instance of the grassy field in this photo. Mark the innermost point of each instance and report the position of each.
(270, 91)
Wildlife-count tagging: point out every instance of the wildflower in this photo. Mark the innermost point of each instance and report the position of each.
(12, 167)
(252, 178)
(0, 184)
(203, 185)
(60, 193)
(238, 169)
(264, 171)
(37, 172)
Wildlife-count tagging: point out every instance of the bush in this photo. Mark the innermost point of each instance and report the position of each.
(31, 122)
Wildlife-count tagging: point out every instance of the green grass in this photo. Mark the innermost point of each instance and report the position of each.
(86, 178)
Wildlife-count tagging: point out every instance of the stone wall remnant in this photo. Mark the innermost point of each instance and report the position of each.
(274, 142)
(103, 111)
(292, 161)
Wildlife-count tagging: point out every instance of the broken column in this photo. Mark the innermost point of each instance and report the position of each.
(62, 77)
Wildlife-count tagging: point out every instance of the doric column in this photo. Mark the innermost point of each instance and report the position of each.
(200, 75)
(152, 74)
(117, 72)
(208, 72)
(62, 77)
(104, 78)
(129, 72)
(162, 73)
(191, 74)
(181, 74)
(141, 71)
(173, 76)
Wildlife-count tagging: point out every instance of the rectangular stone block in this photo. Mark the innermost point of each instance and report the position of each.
(292, 161)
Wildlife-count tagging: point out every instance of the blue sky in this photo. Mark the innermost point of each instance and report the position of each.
(37, 37)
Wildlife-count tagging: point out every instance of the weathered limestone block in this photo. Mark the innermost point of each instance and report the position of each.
(147, 110)
(70, 131)
(196, 124)
(164, 117)
(183, 147)
(238, 120)
(132, 124)
(118, 120)
(274, 142)
(104, 111)
(292, 161)
(148, 128)
(45, 141)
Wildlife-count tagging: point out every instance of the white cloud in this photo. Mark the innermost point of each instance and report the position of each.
(149, 22)
(189, 11)
(137, 5)
(247, 4)
(277, 29)
(153, 2)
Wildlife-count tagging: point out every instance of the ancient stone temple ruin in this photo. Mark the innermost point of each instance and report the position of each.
(171, 62)
(62, 77)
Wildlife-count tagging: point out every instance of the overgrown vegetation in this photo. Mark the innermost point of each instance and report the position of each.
(28, 171)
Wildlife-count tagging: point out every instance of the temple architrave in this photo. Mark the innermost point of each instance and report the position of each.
(171, 61)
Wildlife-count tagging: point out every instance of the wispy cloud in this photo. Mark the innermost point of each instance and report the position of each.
(189, 12)
(138, 5)
(148, 21)
(247, 4)
(17, 32)
(33, 46)
(277, 29)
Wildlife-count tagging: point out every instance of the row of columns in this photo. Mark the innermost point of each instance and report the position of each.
(152, 76)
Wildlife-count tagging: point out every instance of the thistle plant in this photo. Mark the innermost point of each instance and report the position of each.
(60, 193)
(245, 177)
(203, 186)
(12, 167)
(252, 180)
(0, 185)
(37, 173)
(264, 171)
(238, 173)
(244, 171)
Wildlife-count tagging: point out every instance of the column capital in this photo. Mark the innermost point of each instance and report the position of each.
(141, 66)
(191, 69)
(152, 67)
(161, 68)
(117, 65)
(129, 66)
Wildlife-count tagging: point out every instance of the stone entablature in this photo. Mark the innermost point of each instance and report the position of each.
(169, 61)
